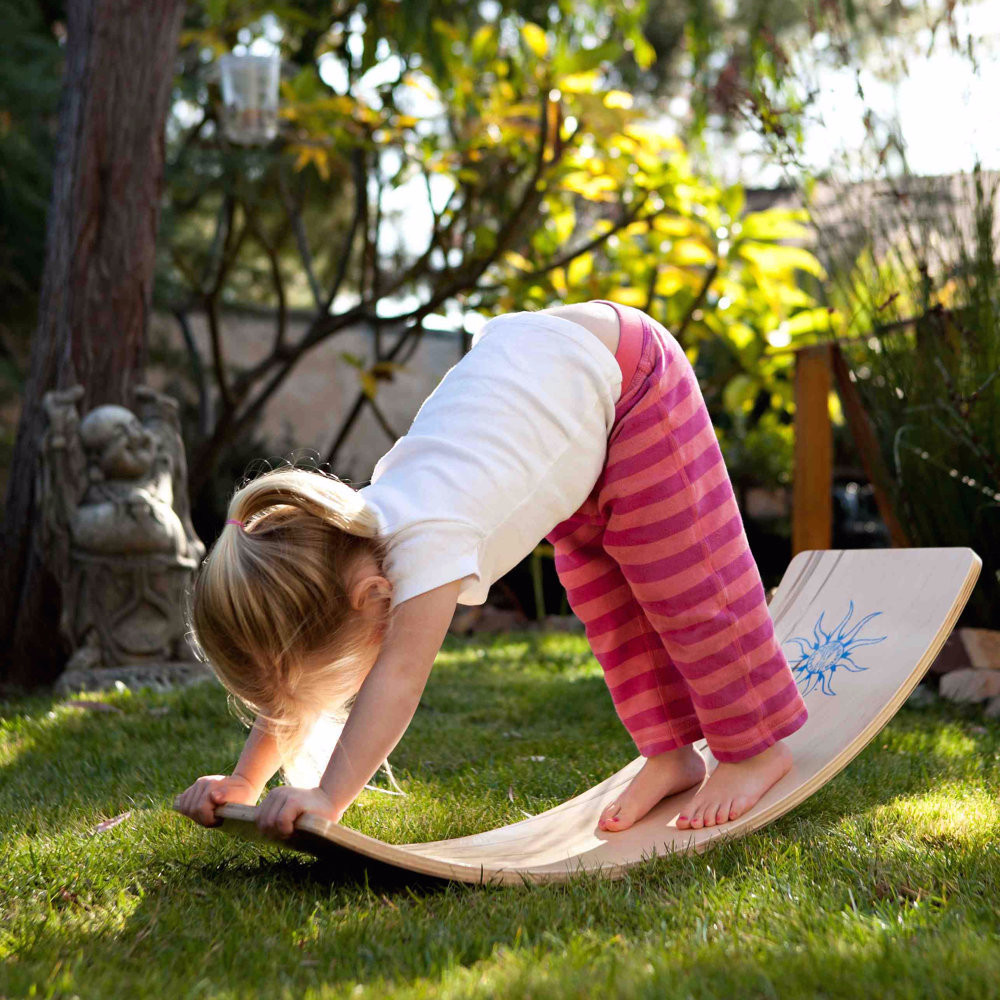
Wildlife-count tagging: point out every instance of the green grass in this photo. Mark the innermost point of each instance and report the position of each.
(883, 884)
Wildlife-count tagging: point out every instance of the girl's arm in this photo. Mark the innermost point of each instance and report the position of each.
(382, 710)
(259, 759)
(389, 696)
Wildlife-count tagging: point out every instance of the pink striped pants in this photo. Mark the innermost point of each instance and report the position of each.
(657, 566)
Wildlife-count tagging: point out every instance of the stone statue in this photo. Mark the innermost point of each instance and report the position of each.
(116, 532)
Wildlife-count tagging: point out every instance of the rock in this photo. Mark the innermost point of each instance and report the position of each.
(464, 618)
(485, 618)
(970, 685)
(953, 655)
(983, 646)
(557, 623)
(969, 647)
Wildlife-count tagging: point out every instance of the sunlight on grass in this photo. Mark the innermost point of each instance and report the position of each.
(958, 813)
(882, 884)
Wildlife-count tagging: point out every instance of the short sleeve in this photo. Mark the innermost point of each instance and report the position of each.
(429, 554)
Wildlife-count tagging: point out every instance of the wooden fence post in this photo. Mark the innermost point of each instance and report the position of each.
(812, 491)
(868, 447)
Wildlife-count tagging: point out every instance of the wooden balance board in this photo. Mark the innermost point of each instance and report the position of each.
(859, 629)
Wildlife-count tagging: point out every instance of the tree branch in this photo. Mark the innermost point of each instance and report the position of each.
(279, 346)
(300, 237)
(699, 298)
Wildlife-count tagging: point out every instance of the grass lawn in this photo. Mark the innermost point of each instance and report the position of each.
(884, 884)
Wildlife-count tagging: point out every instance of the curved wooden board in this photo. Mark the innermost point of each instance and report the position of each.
(859, 627)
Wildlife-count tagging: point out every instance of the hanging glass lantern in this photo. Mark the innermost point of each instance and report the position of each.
(249, 97)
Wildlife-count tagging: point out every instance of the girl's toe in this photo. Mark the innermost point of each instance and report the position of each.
(722, 815)
(614, 818)
(739, 806)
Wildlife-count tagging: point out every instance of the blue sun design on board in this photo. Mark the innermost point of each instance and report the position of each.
(828, 651)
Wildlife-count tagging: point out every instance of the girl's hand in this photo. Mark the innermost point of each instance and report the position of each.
(199, 801)
(284, 805)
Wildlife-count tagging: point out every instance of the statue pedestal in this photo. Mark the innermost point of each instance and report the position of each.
(126, 609)
(159, 676)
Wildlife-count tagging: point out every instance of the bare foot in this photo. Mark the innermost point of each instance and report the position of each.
(662, 775)
(734, 787)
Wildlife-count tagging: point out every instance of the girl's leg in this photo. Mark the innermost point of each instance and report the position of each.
(649, 695)
(674, 528)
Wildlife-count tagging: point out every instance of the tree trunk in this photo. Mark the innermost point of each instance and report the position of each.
(97, 286)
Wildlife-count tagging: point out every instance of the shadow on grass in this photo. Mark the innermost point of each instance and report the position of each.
(196, 905)
(260, 925)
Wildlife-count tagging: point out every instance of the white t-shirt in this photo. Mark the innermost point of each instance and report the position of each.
(509, 443)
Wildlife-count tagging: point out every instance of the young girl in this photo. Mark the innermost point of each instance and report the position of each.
(581, 424)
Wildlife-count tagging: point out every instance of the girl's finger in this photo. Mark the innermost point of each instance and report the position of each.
(287, 818)
(261, 816)
(206, 812)
(274, 804)
(267, 810)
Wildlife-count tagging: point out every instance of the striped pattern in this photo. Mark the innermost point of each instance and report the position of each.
(657, 565)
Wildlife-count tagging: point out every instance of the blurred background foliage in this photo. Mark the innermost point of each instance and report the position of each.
(548, 182)
(30, 82)
(559, 190)
(922, 329)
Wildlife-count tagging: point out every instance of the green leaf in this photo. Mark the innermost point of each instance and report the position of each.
(535, 39)
(215, 10)
(775, 224)
(387, 370)
(644, 53)
(739, 393)
(781, 259)
(354, 360)
(690, 252)
(564, 223)
(740, 334)
(484, 38)
(808, 321)
(583, 60)
(579, 269)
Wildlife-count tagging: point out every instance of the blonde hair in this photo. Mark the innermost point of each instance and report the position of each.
(270, 611)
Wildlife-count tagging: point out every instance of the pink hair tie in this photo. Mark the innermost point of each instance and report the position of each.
(231, 521)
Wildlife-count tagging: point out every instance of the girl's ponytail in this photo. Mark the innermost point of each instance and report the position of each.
(311, 491)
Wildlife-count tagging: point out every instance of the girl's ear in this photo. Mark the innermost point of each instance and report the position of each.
(369, 588)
